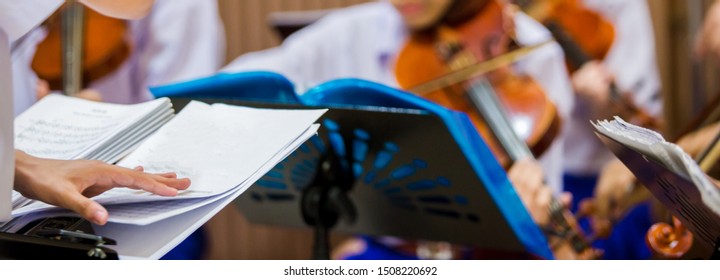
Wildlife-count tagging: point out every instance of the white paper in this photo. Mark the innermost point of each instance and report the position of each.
(61, 127)
(222, 149)
(218, 146)
(653, 145)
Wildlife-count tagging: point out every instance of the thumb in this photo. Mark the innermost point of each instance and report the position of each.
(87, 208)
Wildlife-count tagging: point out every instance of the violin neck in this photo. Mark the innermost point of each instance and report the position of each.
(488, 105)
(710, 155)
(573, 52)
(486, 102)
(73, 21)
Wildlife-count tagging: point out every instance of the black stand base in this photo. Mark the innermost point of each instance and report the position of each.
(325, 202)
(716, 252)
(58, 238)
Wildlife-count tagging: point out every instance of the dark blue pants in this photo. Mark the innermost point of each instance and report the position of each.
(192, 248)
(627, 241)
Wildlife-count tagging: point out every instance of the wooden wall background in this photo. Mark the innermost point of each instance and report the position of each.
(675, 22)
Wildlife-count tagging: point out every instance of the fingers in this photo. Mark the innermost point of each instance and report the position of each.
(566, 199)
(87, 208)
(42, 89)
(161, 184)
(90, 94)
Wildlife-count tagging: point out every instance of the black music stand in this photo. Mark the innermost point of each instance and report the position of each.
(385, 171)
(678, 193)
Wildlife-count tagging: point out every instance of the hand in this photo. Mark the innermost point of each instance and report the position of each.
(708, 39)
(527, 177)
(43, 89)
(592, 82)
(89, 94)
(615, 193)
(70, 183)
(696, 142)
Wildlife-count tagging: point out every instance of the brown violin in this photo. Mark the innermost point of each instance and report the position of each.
(427, 57)
(81, 46)
(585, 35)
(510, 110)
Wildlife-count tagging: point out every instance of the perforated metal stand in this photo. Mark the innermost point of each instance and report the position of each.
(326, 201)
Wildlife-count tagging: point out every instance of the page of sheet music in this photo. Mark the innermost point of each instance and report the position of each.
(219, 146)
(48, 129)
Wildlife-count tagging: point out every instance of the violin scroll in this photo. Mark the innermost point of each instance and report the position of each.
(670, 241)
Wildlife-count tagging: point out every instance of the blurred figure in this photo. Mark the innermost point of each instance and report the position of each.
(179, 40)
(61, 182)
(630, 64)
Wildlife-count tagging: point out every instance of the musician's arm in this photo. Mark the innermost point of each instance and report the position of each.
(527, 177)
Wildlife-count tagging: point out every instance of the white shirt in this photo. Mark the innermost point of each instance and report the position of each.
(362, 42)
(16, 19)
(179, 40)
(632, 60)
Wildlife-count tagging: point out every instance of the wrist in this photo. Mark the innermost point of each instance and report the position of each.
(24, 164)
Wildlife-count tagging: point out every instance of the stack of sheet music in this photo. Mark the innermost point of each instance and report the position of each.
(61, 127)
(651, 144)
(223, 149)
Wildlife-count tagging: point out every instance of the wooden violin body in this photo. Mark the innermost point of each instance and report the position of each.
(427, 57)
(585, 35)
(591, 33)
(104, 48)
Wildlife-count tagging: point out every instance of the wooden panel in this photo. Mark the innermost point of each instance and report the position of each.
(688, 81)
(246, 21)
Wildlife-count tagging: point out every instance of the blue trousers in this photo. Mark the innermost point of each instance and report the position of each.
(192, 248)
(627, 241)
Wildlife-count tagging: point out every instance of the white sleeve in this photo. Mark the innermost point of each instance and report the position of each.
(16, 19)
(19, 17)
(181, 40)
(308, 56)
(547, 66)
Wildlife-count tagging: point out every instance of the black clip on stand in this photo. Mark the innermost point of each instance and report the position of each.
(325, 201)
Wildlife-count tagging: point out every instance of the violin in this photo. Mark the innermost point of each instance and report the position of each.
(427, 57)
(510, 110)
(81, 46)
(585, 35)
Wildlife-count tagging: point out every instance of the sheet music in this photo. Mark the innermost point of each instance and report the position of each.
(652, 144)
(223, 150)
(219, 146)
(61, 127)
